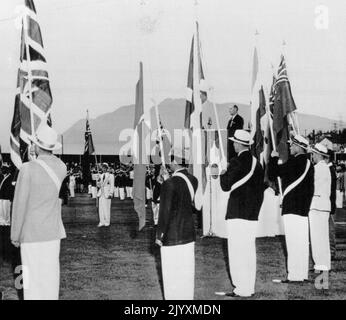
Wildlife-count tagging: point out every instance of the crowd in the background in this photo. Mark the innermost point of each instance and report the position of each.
(77, 182)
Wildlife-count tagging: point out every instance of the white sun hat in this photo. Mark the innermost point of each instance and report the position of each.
(243, 137)
(46, 138)
(300, 141)
(320, 149)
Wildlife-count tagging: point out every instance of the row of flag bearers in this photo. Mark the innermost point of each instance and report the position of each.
(307, 200)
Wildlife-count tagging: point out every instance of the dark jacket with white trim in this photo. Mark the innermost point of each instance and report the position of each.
(298, 200)
(176, 224)
(244, 202)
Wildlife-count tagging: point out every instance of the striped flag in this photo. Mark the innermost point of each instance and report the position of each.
(284, 106)
(140, 158)
(33, 98)
(193, 117)
(88, 150)
(89, 145)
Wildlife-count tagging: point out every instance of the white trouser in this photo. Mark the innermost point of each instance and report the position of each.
(131, 192)
(89, 189)
(41, 270)
(178, 271)
(116, 192)
(122, 193)
(242, 255)
(71, 187)
(149, 193)
(94, 192)
(319, 235)
(339, 198)
(5, 209)
(105, 211)
(156, 209)
(127, 192)
(297, 243)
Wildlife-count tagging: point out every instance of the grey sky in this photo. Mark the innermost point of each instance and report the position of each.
(93, 48)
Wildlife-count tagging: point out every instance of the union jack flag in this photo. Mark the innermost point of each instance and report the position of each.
(33, 99)
(284, 107)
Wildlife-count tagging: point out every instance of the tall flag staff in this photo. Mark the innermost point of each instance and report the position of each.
(270, 111)
(214, 201)
(193, 115)
(33, 99)
(140, 155)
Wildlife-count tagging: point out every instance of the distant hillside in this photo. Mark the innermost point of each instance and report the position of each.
(107, 127)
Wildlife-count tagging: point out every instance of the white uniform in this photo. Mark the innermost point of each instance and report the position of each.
(319, 217)
(72, 185)
(105, 193)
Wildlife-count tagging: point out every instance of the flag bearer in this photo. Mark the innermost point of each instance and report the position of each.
(176, 231)
(297, 176)
(244, 179)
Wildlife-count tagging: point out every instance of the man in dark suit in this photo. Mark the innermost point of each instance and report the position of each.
(244, 179)
(176, 231)
(235, 123)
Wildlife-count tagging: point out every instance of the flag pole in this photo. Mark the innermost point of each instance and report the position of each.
(270, 121)
(217, 123)
(163, 161)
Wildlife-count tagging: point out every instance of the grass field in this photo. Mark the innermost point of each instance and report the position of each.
(106, 263)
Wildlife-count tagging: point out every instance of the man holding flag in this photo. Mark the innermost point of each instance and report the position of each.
(176, 232)
(244, 182)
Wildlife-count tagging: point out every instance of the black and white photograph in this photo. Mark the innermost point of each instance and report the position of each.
(188, 152)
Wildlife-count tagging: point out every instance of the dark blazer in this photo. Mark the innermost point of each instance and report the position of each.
(7, 189)
(246, 201)
(298, 200)
(236, 124)
(176, 223)
(333, 190)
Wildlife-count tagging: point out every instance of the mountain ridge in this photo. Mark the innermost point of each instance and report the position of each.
(107, 127)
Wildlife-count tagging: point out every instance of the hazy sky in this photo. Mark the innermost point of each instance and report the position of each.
(93, 48)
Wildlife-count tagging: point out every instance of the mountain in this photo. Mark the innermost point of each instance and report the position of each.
(106, 128)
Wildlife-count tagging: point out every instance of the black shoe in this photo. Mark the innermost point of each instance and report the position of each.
(232, 295)
(286, 281)
(133, 234)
